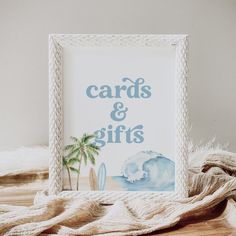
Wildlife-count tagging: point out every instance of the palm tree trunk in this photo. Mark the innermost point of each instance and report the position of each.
(68, 171)
(77, 181)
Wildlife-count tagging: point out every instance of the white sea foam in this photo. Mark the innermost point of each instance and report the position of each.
(133, 167)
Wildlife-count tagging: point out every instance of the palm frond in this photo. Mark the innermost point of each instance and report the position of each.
(91, 158)
(83, 137)
(69, 147)
(64, 161)
(94, 146)
(74, 139)
(72, 161)
(87, 137)
(93, 149)
(85, 156)
(74, 153)
(74, 170)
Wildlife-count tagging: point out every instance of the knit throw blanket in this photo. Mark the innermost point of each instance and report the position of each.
(212, 179)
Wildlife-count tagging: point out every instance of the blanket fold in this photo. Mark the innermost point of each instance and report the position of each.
(209, 185)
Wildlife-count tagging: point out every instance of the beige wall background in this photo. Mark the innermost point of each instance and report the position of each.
(24, 29)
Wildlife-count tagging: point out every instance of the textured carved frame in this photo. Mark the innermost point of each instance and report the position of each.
(56, 44)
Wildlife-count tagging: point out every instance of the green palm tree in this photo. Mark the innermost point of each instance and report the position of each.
(68, 163)
(81, 150)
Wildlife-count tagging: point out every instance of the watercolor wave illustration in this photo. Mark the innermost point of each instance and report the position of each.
(147, 171)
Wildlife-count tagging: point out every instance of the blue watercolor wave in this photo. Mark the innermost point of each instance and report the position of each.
(147, 171)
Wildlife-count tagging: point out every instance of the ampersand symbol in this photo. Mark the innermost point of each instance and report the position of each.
(119, 111)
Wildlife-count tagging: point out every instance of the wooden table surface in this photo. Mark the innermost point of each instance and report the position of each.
(221, 221)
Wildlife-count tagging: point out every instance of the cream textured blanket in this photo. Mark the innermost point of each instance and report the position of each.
(211, 180)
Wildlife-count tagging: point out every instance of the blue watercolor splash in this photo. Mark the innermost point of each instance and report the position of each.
(147, 171)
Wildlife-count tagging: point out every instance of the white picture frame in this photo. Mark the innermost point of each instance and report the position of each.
(57, 45)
